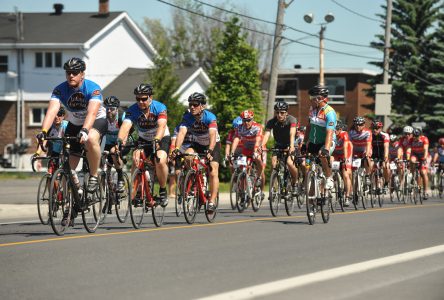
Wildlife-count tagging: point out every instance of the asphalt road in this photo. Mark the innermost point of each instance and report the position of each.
(396, 252)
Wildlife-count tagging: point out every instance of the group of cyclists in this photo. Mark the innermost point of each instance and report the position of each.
(90, 118)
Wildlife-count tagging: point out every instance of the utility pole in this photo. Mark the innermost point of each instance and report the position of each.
(321, 55)
(275, 59)
(388, 24)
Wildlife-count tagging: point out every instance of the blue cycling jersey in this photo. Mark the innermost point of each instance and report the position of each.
(147, 125)
(199, 129)
(76, 100)
(113, 129)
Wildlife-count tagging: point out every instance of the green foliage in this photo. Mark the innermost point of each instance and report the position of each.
(235, 79)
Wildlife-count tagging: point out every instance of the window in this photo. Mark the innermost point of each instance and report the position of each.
(336, 88)
(287, 90)
(3, 63)
(37, 114)
(48, 59)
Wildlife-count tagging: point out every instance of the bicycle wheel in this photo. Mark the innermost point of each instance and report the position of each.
(441, 185)
(60, 203)
(257, 198)
(338, 193)
(190, 197)
(301, 195)
(310, 199)
(326, 207)
(397, 187)
(157, 210)
(383, 192)
(356, 190)
(93, 205)
(289, 199)
(178, 198)
(275, 193)
(367, 195)
(138, 200)
(43, 199)
(122, 199)
(242, 192)
(375, 190)
(233, 189)
(107, 195)
(211, 214)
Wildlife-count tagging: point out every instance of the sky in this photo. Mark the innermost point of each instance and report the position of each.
(356, 22)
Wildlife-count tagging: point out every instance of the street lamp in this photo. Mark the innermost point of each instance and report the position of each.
(328, 19)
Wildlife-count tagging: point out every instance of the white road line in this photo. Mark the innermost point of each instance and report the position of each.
(302, 280)
(20, 222)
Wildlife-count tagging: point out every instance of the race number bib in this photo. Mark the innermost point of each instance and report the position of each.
(335, 165)
(356, 163)
(240, 161)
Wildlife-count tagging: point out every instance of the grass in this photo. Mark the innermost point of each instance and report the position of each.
(18, 175)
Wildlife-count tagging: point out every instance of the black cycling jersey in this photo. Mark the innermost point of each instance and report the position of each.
(281, 131)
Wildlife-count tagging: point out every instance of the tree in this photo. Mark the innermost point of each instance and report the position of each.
(412, 33)
(235, 84)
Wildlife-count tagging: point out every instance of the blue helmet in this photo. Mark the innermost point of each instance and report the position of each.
(237, 122)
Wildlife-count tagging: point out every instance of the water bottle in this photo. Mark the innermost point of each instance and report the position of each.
(147, 176)
(204, 183)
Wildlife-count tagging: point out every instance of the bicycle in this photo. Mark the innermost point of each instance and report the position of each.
(143, 188)
(43, 195)
(179, 186)
(195, 189)
(406, 183)
(317, 198)
(361, 189)
(395, 182)
(338, 191)
(415, 179)
(67, 199)
(378, 183)
(235, 161)
(280, 184)
(248, 186)
(120, 200)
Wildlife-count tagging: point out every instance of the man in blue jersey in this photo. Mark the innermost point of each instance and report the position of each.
(201, 127)
(86, 118)
(150, 118)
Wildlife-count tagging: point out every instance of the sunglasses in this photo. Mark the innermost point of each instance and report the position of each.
(60, 115)
(247, 120)
(142, 99)
(75, 73)
(283, 112)
(195, 104)
(111, 109)
(318, 98)
(359, 124)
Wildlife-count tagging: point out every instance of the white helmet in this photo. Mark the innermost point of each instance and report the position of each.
(408, 129)
(393, 137)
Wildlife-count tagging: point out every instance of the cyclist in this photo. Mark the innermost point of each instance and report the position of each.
(284, 127)
(299, 139)
(438, 157)
(420, 150)
(321, 136)
(380, 149)
(174, 165)
(395, 149)
(361, 139)
(250, 135)
(230, 137)
(405, 142)
(112, 105)
(57, 129)
(83, 99)
(343, 151)
(150, 118)
(201, 124)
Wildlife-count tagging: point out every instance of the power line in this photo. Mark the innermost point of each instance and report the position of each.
(286, 26)
(356, 13)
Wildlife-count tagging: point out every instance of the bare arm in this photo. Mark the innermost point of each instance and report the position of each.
(53, 108)
(161, 128)
(213, 135)
(180, 137)
(93, 109)
(235, 143)
(124, 131)
(266, 137)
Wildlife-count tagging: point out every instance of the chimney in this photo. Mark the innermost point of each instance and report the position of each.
(58, 8)
(104, 8)
(297, 66)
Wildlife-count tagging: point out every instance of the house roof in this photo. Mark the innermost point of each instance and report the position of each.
(329, 71)
(77, 27)
(122, 87)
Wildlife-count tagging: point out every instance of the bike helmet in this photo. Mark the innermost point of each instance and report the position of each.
(247, 114)
(393, 137)
(281, 105)
(61, 111)
(302, 128)
(339, 126)
(74, 64)
(407, 129)
(359, 121)
(237, 122)
(144, 89)
(417, 132)
(198, 97)
(318, 90)
(377, 124)
(112, 101)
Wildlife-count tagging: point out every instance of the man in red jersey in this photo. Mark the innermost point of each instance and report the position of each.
(420, 150)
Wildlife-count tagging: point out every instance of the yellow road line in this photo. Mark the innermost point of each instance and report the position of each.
(202, 225)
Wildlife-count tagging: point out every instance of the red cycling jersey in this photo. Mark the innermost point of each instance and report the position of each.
(339, 151)
(417, 146)
(248, 137)
(360, 141)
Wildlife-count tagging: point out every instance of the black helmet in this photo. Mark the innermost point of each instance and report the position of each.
(358, 121)
(417, 131)
(144, 89)
(377, 124)
(198, 97)
(111, 101)
(339, 125)
(74, 64)
(61, 111)
(318, 90)
(281, 105)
